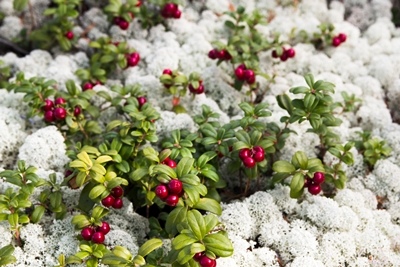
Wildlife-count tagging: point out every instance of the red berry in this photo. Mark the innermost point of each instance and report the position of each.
(69, 35)
(177, 14)
(207, 262)
(258, 156)
(133, 59)
(284, 56)
(242, 66)
(142, 100)
(60, 113)
(290, 52)
(48, 105)
(274, 54)
(138, 4)
(308, 181)
(197, 257)
(108, 201)
(117, 20)
(249, 162)
(118, 203)
(87, 86)
(169, 10)
(244, 153)
(319, 178)
(60, 101)
(172, 200)
(68, 173)
(104, 228)
(87, 233)
(123, 24)
(239, 74)
(342, 37)
(221, 54)
(98, 238)
(314, 189)
(175, 186)
(117, 191)
(249, 76)
(167, 71)
(258, 149)
(171, 163)
(162, 191)
(77, 111)
(200, 90)
(49, 116)
(336, 41)
(213, 54)
(227, 55)
(97, 83)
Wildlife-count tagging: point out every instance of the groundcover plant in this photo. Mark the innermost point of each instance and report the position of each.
(199, 133)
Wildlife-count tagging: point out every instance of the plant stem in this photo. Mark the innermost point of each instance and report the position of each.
(32, 16)
(13, 46)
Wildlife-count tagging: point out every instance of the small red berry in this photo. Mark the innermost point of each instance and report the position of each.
(117, 20)
(308, 181)
(221, 54)
(49, 116)
(258, 156)
(97, 83)
(118, 203)
(175, 186)
(48, 105)
(200, 90)
(244, 153)
(117, 191)
(162, 191)
(284, 56)
(133, 59)
(172, 200)
(77, 111)
(258, 149)
(314, 189)
(87, 86)
(336, 41)
(290, 52)
(227, 56)
(108, 201)
(123, 24)
(171, 163)
(68, 173)
(249, 162)
(60, 101)
(319, 178)
(167, 71)
(249, 76)
(60, 113)
(177, 14)
(104, 228)
(207, 262)
(138, 4)
(342, 37)
(213, 54)
(239, 72)
(142, 100)
(197, 257)
(98, 238)
(87, 233)
(169, 10)
(242, 66)
(69, 35)
(275, 54)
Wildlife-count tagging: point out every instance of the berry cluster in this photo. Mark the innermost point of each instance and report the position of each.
(170, 193)
(287, 53)
(96, 234)
(251, 157)
(337, 40)
(199, 90)
(121, 22)
(222, 54)
(69, 35)
(114, 199)
(203, 260)
(314, 185)
(244, 74)
(56, 111)
(170, 10)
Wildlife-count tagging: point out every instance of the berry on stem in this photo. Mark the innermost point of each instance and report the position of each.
(49, 116)
(177, 14)
(108, 201)
(197, 257)
(133, 59)
(284, 56)
(77, 111)
(48, 105)
(98, 238)
(213, 54)
(239, 72)
(244, 153)
(104, 228)
(319, 178)
(290, 52)
(167, 71)
(207, 262)
(171, 163)
(342, 37)
(336, 41)
(161, 191)
(60, 101)
(175, 186)
(142, 100)
(87, 233)
(87, 86)
(172, 200)
(275, 54)
(314, 189)
(60, 113)
(249, 76)
(118, 203)
(117, 191)
(123, 24)
(249, 162)
(69, 35)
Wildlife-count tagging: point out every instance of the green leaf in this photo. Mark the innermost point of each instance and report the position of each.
(122, 252)
(309, 80)
(297, 185)
(219, 244)
(7, 250)
(211, 175)
(196, 223)
(37, 214)
(161, 168)
(13, 219)
(175, 217)
(209, 205)
(285, 103)
(182, 241)
(282, 166)
(184, 166)
(149, 246)
(97, 191)
(300, 160)
(243, 136)
(138, 174)
(19, 5)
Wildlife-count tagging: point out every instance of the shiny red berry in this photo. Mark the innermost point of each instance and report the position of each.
(133, 59)
(213, 54)
(171, 163)
(290, 52)
(242, 66)
(48, 105)
(221, 54)
(123, 24)
(239, 73)
(77, 111)
(249, 76)
(342, 37)
(314, 189)
(200, 90)
(142, 100)
(60, 113)
(169, 10)
(177, 14)
(104, 228)
(258, 156)
(197, 257)
(227, 56)
(319, 178)
(207, 262)
(87, 233)
(117, 191)
(87, 86)
(175, 186)
(244, 153)
(284, 56)
(336, 41)
(118, 203)
(117, 20)
(98, 238)
(138, 4)
(49, 116)
(249, 162)
(308, 181)
(172, 200)
(68, 173)
(108, 201)
(162, 191)
(60, 101)
(69, 35)
(275, 54)
(167, 71)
